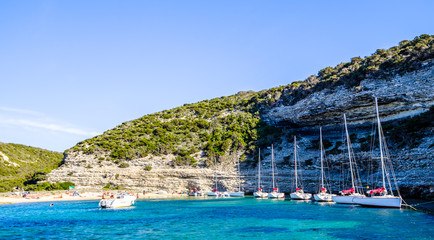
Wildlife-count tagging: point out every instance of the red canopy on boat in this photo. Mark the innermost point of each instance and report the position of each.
(274, 189)
(214, 190)
(297, 189)
(378, 190)
(260, 189)
(351, 190)
(323, 189)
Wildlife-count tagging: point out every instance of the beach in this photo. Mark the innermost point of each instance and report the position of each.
(11, 198)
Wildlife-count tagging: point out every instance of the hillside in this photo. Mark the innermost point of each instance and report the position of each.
(23, 165)
(174, 149)
(230, 123)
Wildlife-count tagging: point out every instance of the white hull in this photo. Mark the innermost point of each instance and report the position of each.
(346, 199)
(195, 194)
(125, 201)
(379, 201)
(276, 195)
(260, 195)
(300, 196)
(323, 197)
(236, 194)
(217, 194)
(212, 194)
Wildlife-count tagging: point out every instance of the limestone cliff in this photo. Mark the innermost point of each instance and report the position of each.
(400, 97)
(404, 86)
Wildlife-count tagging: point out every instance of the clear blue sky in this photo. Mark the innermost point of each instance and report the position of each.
(72, 69)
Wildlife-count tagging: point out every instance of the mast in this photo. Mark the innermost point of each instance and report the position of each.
(322, 170)
(272, 164)
(349, 152)
(239, 175)
(295, 160)
(215, 172)
(380, 140)
(259, 170)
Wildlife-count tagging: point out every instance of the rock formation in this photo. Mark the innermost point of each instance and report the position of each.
(400, 97)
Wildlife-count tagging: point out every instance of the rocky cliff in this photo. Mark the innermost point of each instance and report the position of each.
(403, 97)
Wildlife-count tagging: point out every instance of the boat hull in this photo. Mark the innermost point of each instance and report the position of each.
(323, 197)
(276, 195)
(380, 201)
(300, 196)
(260, 195)
(236, 194)
(346, 199)
(195, 194)
(212, 194)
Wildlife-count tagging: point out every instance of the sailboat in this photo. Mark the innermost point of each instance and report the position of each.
(322, 196)
(383, 199)
(349, 194)
(214, 192)
(299, 194)
(259, 193)
(239, 193)
(275, 193)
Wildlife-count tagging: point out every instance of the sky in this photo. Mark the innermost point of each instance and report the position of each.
(70, 70)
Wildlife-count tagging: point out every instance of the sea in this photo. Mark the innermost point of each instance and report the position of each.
(198, 218)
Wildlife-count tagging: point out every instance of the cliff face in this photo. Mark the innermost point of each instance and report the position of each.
(400, 97)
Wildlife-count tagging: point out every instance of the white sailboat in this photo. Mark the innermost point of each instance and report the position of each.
(239, 193)
(275, 193)
(349, 194)
(259, 193)
(214, 192)
(322, 196)
(383, 199)
(299, 194)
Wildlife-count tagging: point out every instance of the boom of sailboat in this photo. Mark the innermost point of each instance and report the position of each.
(379, 197)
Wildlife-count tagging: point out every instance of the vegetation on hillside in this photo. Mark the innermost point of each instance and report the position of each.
(23, 166)
(223, 125)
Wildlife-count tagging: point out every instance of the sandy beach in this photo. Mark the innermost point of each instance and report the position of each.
(9, 198)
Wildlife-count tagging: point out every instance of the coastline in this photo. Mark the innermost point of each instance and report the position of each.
(69, 196)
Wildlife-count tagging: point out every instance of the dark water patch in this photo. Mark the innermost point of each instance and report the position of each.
(261, 229)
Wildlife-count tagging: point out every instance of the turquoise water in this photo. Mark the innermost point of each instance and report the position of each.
(210, 219)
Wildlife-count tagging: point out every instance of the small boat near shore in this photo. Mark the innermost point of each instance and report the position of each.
(260, 193)
(299, 194)
(239, 193)
(347, 196)
(275, 192)
(121, 200)
(322, 196)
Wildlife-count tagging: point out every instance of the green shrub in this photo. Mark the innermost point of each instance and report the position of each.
(124, 165)
(148, 168)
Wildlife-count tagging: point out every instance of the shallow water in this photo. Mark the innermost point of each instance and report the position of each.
(209, 219)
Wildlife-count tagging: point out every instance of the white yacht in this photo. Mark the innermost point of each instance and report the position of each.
(259, 193)
(239, 193)
(322, 196)
(275, 193)
(121, 200)
(348, 195)
(299, 194)
(380, 197)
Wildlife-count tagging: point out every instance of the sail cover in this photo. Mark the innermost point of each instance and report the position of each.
(351, 190)
(378, 190)
(323, 189)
